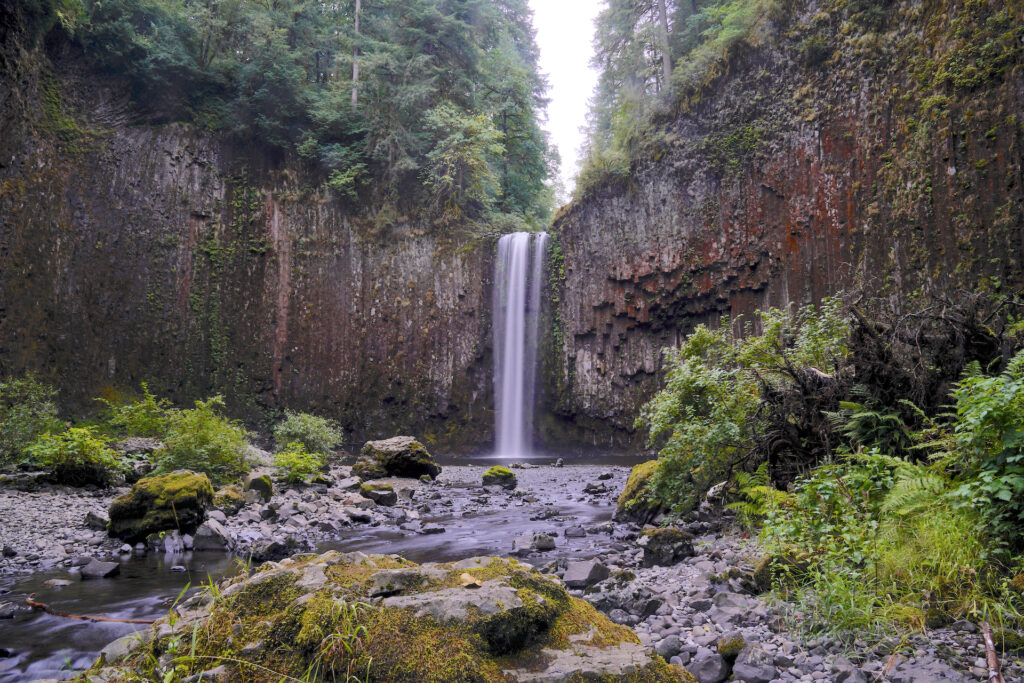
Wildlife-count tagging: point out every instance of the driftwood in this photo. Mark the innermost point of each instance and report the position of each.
(46, 608)
(990, 654)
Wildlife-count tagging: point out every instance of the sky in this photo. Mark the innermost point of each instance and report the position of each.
(565, 30)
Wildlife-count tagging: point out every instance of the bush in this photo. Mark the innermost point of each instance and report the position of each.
(296, 464)
(317, 434)
(203, 440)
(27, 410)
(77, 457)
(148, 416)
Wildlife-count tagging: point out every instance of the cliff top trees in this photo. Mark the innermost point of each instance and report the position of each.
(381, 110)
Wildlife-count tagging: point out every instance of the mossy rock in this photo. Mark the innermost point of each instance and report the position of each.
(500, 476)
(1017, 583)
(515, 624)
(382, 494)
(169, 501)
(261, 484)
(665, 546)
(730, 645)
(229, 499)
(1006, 640)
(368, 468)
(637, 503)
(776, 567)
(400, 456)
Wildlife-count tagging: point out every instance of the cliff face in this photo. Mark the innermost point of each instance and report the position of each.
(133, 253)
(880, 160)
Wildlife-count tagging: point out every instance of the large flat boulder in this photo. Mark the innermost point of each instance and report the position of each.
(483, 620)
(175, 501)
(400, 456)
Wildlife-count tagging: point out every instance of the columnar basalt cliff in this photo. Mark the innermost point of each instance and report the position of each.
(133, 253)
(835, 155)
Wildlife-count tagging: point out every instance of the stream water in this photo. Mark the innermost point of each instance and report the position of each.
(45, 646)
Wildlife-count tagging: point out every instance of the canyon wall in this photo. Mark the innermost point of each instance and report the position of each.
(830, 156)
(137, 253)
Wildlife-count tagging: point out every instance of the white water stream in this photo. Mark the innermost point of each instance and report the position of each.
(517, 288)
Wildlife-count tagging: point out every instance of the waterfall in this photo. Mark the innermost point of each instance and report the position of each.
(517, 288)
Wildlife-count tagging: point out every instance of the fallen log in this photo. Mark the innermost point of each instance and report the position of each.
(85, 617)
(994, 676)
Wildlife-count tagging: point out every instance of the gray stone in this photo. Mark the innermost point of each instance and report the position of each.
(669, 647)
(211, 535)
(100, 570)
(754, 665)
(260, 483)
(528, 543)
(122, 648)
(708, 667)
(394, 581)
(381, 496)
(96, 521)
(428, 529)
(575, 532)
(585, 573)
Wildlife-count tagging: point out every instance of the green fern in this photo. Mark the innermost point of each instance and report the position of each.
(759, 497)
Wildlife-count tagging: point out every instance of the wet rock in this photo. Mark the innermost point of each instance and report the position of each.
(584, 574)
(8, 551)
(429, 529)
(211, 535)
(500, 476)
(259, 483)
(575, 532)
(401, 456)
(170, 501)
(7, 610)
(665, 546)
(100, 570)
(382, 494)
(594, 488)
(559, 462)
(528, 543)
(56, 583)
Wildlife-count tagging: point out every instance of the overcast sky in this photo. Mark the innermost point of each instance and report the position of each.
(565, 30)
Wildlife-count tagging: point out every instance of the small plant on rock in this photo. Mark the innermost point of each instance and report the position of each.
(203, 440)
(296, 464)
(77, 457)
(317, 434)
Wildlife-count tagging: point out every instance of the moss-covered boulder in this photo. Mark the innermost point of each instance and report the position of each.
(637, 502)
(401, 456)
(381, 494)
(260, 483)
(368, 468)
(500, 476)
(665, 547)
(429, 624)
(170, 501)
(229, 499)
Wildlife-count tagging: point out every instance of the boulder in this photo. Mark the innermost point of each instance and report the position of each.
(229, 499)
(505, 623)
(708, 667)
(124, 647)
(530, 543)
(637, 503)
(96, 521)
(500, 476)
(382, 494)
(211, 535)
(400, 456)
(259, 483)
(665, 547)
(586, 573)
(754, 665)
(100, 570)
(169, 501)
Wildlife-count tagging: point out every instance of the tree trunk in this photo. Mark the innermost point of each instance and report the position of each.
(355, 58)
(666, 57)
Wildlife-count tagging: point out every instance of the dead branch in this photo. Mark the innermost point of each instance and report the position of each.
(46, 608)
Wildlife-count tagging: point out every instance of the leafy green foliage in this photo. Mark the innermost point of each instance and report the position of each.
(757, 497)
(76, 457)
(147, 416)
(203, 440)
(283, 74)
(296, 464)
(27, 410)
(990, 433)
(317, 434)
(707, 418)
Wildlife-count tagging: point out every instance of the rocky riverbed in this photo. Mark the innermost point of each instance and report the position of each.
(698, 612)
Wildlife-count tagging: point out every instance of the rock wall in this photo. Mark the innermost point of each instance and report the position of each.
(132, 253)
(839, 154)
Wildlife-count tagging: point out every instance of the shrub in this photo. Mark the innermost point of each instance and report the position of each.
(297, 464)
(203, 440)
(147, 416)
(27, 410)
(77, 457)
(317, 434)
